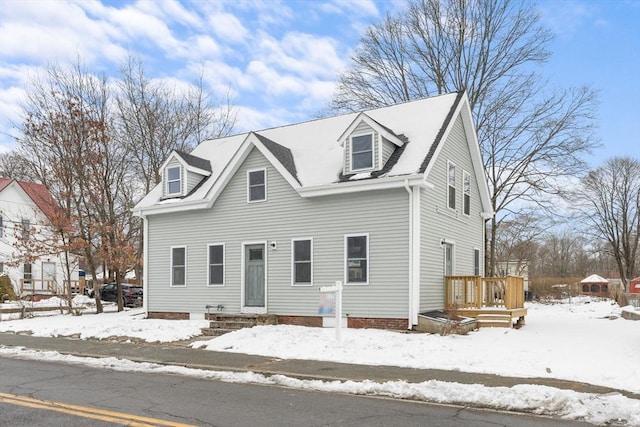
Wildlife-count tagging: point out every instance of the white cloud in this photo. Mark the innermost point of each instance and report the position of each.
(228, 27)
(351, 7)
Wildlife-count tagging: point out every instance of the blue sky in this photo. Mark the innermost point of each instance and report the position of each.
(279, 58)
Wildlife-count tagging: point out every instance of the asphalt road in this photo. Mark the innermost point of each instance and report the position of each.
(41, 393)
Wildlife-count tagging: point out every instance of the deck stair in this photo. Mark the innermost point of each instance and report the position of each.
(494, 320)
(222, 323)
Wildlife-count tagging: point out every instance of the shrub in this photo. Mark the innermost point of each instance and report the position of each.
(6, 289)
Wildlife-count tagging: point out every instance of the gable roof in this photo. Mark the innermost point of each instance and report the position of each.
(310, 156)
(196, 162)
(38, 193)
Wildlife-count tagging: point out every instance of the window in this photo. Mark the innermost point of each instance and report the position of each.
(466, 191)
(451, 181)
(1, 228)
(174, 180)
(216, 265)
(302, 266)
(362, 152)
(26, 273)
(1, 267)
(476, 262)
(26, 229)
(179, 266)
(257, 186)
(357, 255)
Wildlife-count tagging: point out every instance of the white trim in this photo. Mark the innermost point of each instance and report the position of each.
(180, 180)
(363, 117)
(373, 152)
(455, 185)
(243, 308)
(346, 268)
(293, 266)
(467, 175)
(249, 172)
(479, 251)
(224, 266)
(444, 244)
(362, 185)
(145, 264)
(171, 248)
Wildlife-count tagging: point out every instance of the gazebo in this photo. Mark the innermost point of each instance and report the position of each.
(595, 285)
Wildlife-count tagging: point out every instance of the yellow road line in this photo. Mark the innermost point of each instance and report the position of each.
(86, 412)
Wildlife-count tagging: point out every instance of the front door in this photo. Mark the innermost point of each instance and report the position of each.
(254, 277)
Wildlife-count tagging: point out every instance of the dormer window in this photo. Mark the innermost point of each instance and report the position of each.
(174, 181)
(362, 152)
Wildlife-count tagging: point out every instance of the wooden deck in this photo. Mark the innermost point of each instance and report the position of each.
(492, 301)
(39, 288)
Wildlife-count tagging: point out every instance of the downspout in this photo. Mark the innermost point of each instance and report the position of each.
(411, 284)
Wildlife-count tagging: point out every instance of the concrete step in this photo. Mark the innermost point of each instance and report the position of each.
(231, 324)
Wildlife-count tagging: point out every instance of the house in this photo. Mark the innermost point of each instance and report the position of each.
(26, 212)
(595, 285)
(387, 201)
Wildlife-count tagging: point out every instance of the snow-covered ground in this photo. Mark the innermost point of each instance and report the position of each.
(581, 340)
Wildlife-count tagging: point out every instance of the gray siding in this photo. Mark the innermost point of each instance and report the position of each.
(284, 216)
(438, 222)
(193, 179)
(363, 127)
(388, 148)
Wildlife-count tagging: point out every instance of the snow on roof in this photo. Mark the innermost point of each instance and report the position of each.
(594, 278)
(317, 157)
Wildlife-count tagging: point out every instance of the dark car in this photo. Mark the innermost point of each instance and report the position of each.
(132, 295)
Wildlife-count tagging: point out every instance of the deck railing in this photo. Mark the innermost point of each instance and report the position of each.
(50, 287)
(477, 292)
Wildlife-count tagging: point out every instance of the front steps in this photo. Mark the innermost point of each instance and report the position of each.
(220, 324)
(496, 318)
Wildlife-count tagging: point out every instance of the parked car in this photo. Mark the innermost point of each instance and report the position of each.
(132, 295)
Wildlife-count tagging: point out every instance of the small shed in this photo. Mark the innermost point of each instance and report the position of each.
(634, 286)
(595, 285)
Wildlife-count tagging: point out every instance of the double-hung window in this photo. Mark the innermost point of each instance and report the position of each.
(466, 191)
(174, 181)
(257, 185)
(27, 273)
(179, 266)
(216, 265)
(26, 229)
(302, 268)
(1, 227)
(451, 185)
(362, 152)
(476, 262)
(357, 258)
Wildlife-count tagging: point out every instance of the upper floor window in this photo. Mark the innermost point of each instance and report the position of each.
(362, 152)
(451, 185)
(257, 185)
(26, 229)
(174, 180)
(302, 264)
(1, 227)
(466, 191)
(357, 256)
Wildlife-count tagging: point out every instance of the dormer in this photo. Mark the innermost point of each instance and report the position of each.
(181, 173)
(368, 145)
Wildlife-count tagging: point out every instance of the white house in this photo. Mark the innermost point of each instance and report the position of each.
(388, 201)
(27, 207)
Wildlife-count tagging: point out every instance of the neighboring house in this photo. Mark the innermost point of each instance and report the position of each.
(387, 201)
(595, 285)
(515, 268)
(28, 208)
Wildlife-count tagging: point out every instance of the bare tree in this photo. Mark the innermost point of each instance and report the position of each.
(609, 202)
(529, 136)
(13, 165)
(153, 119)
(67, 135)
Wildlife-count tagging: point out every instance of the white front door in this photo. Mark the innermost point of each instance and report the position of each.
(49, 275)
